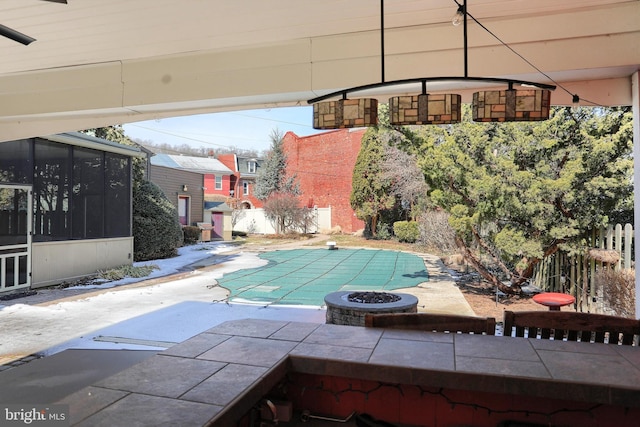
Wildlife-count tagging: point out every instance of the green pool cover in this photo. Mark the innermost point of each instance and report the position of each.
(305, 276)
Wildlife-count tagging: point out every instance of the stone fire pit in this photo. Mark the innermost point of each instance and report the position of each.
(350, 307)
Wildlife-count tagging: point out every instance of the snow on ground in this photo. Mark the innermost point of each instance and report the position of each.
(156, 314)
(186, 255)
(27, 329)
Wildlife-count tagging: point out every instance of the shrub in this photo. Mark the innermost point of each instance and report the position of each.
(121, 272)
(157, 232)
(618, 291)
(284, 212)
(332, 231)
(252, 227)
(382, 231)
(406, 231)
(191, 234)
(435, 231)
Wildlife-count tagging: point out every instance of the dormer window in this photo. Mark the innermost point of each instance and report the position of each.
(251, 166)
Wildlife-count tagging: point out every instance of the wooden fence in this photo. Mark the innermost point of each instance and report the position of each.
(576, 274)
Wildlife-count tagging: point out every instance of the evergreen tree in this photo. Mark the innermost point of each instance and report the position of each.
(272, 175)
(371, 188)
(521, 191)
(387, 183)
(278, 190)
(116, 133)
(157, 232)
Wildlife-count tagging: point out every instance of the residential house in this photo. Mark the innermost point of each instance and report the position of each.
(183, 188)
(323, 164)
(243, 181)
(195, 185)
(65, 209)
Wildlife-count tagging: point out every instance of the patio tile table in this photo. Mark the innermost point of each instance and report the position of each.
(216, 377)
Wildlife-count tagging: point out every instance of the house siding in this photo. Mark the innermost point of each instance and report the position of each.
(56, 262)
(171, 182)
(323, 164)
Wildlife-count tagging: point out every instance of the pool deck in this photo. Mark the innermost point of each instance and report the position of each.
(217, 376)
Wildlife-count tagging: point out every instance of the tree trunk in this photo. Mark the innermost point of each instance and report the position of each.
(527, 272)
(486, 274)
(495, 257)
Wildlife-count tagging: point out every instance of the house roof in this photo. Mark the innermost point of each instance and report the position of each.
(217, 207)
(243, 166)
(194, 164)
(78, 139)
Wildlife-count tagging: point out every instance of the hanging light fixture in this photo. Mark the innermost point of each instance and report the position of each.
(425, 109)
(345, 113)
(531, 103)
(511, 105)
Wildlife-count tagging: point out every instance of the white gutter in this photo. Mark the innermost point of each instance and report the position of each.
(86, 141)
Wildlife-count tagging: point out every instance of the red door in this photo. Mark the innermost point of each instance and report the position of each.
(217, 222)
(183, 210)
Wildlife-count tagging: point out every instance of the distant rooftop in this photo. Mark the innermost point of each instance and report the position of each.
(193, 164)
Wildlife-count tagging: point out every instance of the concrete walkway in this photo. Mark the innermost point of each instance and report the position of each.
(440, 293)
(157, 313)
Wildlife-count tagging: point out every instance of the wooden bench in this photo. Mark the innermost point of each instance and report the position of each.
(432, 322)
(572, 326)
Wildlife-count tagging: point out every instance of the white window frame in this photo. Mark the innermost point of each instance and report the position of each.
(218, 180)
(245, 188)
(251, 167)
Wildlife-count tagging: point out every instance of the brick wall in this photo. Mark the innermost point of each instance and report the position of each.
(210, 185)
(324, 165)
(414, 405)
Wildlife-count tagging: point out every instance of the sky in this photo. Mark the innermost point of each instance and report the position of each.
(248, 129)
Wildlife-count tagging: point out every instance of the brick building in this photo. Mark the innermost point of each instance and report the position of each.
(243, 180)
(324, 165)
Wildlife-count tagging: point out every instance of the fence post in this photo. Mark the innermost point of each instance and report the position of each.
(573, 274)
(618, 245)
(628, 240)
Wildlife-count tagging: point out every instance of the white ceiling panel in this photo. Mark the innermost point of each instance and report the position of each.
(138, 59)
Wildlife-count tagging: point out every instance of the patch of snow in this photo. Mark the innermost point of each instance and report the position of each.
(531, 289)
(186, 255)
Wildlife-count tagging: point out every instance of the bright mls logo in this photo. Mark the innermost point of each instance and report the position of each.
(34, 415)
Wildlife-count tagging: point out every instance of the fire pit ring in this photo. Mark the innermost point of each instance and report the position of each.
(349, 307)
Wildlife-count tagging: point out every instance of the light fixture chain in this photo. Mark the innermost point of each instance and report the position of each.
(382, 41)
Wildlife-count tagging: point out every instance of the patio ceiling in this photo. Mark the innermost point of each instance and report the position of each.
(99, 62)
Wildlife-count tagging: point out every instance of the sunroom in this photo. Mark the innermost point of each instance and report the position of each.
(65, 208)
